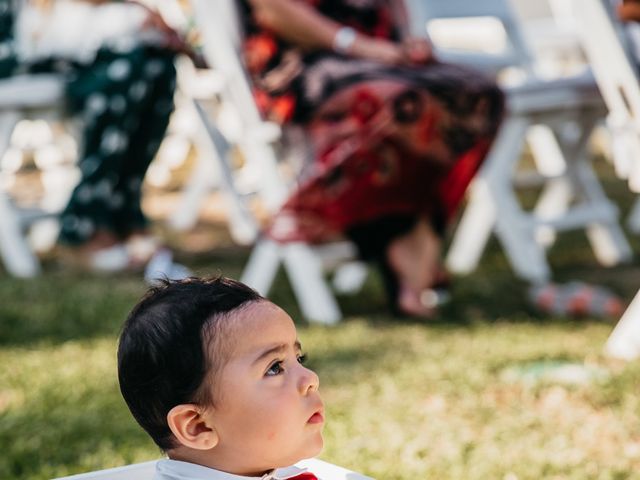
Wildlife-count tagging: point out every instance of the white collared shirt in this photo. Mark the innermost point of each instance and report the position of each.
(176, 470)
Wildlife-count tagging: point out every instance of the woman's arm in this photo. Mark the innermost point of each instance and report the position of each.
(302, 25)
(417, 49)
(629, 11)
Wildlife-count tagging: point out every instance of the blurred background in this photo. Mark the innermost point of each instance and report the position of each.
(525, 370)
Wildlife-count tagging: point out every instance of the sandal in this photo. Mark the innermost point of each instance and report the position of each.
(131, 256)
(575, 299)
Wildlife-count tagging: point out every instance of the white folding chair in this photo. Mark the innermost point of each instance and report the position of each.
(256, 138)
(610, 54)
(145, 471)
(22, 97)
(556, 118)
(606, 47)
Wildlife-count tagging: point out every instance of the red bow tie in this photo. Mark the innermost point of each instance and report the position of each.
(304, 476)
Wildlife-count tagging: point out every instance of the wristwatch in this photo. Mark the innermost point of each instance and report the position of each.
(344, 39)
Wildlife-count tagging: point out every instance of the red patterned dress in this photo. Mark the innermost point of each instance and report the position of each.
(390, 144)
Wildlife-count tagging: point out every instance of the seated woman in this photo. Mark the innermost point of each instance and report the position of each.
(397, 136)
(117, 59)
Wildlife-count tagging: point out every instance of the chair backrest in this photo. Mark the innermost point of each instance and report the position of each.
(609, 53)
(426, 14)
(220, 30)
(221, 35)
(145, 471)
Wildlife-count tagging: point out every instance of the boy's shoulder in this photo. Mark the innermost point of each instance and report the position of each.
(177, 470)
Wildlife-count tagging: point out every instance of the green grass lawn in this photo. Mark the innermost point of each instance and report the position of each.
(406, 400)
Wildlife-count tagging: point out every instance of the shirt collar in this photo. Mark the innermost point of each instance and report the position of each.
(177, 470)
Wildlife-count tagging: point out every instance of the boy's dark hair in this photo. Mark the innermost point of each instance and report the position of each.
(167, 344)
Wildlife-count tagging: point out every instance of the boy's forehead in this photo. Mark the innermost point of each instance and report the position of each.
(261, 323)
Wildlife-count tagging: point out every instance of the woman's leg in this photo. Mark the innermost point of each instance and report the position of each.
(113, 96)
(394, 148)
(414, 257)
(96, 94)
(152, 116)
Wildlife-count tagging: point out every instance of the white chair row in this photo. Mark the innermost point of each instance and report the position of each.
(556, 118)
(40, 96)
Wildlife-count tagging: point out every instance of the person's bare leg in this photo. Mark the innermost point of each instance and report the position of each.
(415, 258)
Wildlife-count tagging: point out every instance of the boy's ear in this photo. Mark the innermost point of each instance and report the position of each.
(190, 427)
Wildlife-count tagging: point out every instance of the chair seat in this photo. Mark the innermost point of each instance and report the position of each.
(31, 91)
(542, 96)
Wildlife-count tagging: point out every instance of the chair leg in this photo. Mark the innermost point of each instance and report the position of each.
(633, 220)
(479, 217)
(305, 274)
(14, 250)
(624, 341)
(16, 253)
(212, 169)
(494, 206)
(314, 296)
(473, 230)
(204, 176)
(607, 238)
(554, 202)
(550, 162)
(263, 264)
(516, 232)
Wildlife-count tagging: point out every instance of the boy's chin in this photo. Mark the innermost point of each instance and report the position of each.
(315, 446)
(310, 449)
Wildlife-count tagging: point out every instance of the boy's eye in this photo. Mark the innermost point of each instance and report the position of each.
(302, 358)
(275, 369)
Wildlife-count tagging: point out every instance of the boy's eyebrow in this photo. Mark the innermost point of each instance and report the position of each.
(277, 349)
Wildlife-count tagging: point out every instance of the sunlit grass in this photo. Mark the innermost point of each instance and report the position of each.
(406, 400)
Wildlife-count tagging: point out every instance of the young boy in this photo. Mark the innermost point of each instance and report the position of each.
(214, 373)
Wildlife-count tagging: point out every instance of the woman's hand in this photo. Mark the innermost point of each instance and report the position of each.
(154, 21)
(417, 51)
(172, 39)
(413, 51)
(377, 50)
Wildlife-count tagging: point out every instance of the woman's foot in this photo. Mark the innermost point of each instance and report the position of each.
(409, 302)
(414, 259)
(107, 253)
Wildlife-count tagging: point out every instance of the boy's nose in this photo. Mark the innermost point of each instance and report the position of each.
(309, 381)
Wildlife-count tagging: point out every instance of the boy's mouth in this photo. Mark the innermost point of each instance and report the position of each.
(317, 417)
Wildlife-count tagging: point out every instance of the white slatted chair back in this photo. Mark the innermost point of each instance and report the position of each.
(145, 471)
(515, 53)
(221, 40)
(609, 54)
